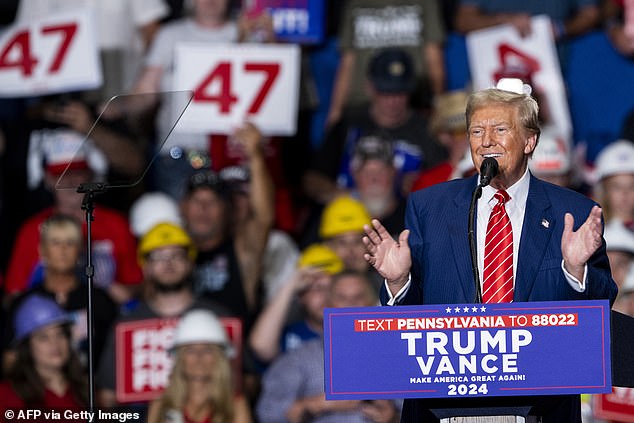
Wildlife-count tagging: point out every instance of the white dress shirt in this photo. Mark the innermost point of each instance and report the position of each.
(515, 208)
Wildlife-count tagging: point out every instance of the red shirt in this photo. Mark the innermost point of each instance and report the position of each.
(224, 154)
(188, 419)
(9, 400)
(439, 173)
(113, 248)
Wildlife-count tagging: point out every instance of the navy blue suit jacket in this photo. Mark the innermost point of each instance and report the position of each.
(441, 261)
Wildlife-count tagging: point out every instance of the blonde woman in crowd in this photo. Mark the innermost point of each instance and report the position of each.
(614, 189)
(201, 386)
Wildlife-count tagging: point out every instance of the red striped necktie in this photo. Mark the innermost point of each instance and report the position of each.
(498, 254)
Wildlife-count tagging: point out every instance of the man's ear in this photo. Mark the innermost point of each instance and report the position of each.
(531, 143)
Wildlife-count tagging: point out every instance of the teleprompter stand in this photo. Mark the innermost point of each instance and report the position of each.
(90, 190)
(125, 105)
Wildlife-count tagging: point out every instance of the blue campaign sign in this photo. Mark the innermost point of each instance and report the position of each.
(467, 350)
(297, 21)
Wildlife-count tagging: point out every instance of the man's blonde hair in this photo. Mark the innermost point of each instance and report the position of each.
(60, 221)
(527, 107)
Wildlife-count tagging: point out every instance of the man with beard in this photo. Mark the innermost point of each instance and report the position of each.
(375, 179)
(228, 266)
(167, 255)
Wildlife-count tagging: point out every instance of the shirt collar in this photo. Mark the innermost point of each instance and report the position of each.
(518, 191)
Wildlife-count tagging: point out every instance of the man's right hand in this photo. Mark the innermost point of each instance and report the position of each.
(392, 259)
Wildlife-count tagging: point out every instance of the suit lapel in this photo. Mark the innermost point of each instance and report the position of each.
(458, 216)
(539, 224)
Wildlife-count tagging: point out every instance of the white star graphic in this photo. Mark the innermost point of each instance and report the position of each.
(448, 309)
(474, 309)
(483, 309)
(466, 309)
(457, 309)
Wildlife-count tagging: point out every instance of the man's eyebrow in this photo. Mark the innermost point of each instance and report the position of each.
(495, 123)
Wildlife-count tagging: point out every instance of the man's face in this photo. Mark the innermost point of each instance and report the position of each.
(350, 249)
(351, 291)
(375, 182)
(315, 296)
(167, 266)
(204, 214)
(211, 8)
(67, 199)
(60, 249)
(391, 108)
(495, 131)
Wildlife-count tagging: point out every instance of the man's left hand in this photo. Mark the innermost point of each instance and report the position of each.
(578, 246)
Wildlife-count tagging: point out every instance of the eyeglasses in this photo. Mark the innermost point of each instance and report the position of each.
(165, 256)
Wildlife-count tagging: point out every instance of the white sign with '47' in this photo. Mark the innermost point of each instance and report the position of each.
(236, 82)
(494, 51)
(54, 54)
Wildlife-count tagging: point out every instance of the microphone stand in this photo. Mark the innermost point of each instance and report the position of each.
(488, 170)
(90, 191)
(477, 193)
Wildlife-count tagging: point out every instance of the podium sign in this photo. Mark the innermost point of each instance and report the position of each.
(467, 350)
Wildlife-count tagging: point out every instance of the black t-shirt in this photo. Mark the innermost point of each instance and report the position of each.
(217, 277)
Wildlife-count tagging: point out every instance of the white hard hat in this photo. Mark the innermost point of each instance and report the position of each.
(201, 326)
(618, 237)
(615, 158)
(153, 208)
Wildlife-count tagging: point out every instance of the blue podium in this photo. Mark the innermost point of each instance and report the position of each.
(516, 359)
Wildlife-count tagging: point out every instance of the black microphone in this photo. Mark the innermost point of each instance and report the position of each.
(488, 170)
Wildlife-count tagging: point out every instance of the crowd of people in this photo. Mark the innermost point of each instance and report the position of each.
(199, 231)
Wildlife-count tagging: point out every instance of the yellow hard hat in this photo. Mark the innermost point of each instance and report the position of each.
(163, 235)
(343, 214)
(320, 256)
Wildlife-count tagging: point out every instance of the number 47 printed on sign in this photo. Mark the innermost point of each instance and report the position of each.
(235, 82)
(54, 54)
